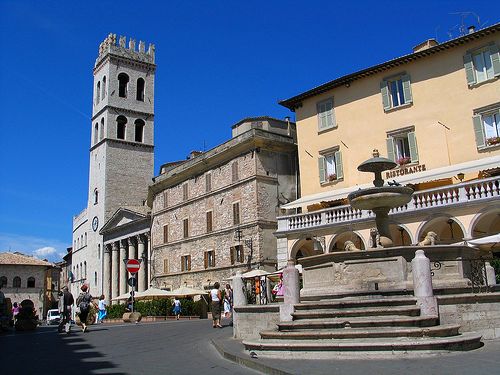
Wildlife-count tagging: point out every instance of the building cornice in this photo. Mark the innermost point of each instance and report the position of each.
(121, 141)
(122, 60)
(119, 111)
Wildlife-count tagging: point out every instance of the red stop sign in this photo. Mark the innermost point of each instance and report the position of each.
(133, 265)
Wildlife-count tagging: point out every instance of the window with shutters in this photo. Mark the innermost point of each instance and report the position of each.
(185, 191)
(396, 91)
(186, 263)
(402, 146)
(330, 165)
(326, 116)
(482, 64)
(185, 226)
(208, 182)
(236, 213)
(209, 258)
(165, 233)
(209, 221)
(165, 265)
(237, 254)
(487, 127)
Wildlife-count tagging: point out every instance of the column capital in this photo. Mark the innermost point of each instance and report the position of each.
(116, 246)
(107, 248)
(131, 241)
(141, 239)
(123, 243)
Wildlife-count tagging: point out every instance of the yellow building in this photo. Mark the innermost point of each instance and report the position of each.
(436, 112)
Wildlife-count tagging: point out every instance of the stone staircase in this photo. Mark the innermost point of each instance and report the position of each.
(375, 324)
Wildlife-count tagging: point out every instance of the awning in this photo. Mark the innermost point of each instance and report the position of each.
(432, 174)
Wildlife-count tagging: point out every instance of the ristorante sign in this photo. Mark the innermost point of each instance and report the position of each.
(404, 171)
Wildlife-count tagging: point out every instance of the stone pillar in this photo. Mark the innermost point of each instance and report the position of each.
(123, 267)
(142, 282)
(149, 276)
(422, 284)
(291, 291)
(239, 299)
(115, 266)
(106, 274)
(131, 255)
(490, 274)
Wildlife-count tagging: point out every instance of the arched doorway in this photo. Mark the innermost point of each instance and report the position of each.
(339, 240)
(449, 230)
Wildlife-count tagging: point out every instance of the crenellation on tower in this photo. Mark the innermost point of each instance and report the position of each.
(112, 47)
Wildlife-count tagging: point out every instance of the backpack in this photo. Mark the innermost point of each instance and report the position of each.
(84, 303)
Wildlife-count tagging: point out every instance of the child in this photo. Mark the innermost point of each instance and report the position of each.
(102, 309)
(177, 307)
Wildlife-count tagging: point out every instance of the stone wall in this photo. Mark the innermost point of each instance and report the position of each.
(248, 321)
(474, 312)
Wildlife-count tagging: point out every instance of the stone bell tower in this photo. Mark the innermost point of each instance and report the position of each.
(121, 146)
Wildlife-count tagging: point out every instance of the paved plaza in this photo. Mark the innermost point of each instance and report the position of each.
(192, 347)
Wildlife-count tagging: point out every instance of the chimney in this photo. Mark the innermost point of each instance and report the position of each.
(429, 43)
(471, 29)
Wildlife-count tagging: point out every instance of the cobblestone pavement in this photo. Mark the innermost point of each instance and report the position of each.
(172, 347)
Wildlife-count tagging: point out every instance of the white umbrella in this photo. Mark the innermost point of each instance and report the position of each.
(187, 292)
(153, 293)
(254, 273)
(122, 297)
(484, 243)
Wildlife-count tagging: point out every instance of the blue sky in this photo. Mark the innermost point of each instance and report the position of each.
(217, 62)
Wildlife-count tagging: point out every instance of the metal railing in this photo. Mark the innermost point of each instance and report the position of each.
(446, 196)
(474, 269)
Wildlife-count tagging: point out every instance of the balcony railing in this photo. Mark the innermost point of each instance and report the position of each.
(451, 195)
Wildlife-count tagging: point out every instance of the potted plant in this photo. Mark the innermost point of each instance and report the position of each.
(332, 177)
(493, 141)
(403, 160)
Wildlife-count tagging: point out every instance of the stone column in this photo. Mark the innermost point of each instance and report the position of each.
(239, 299)
(149, 275)
(142, 282)
(422, 284)
(490, 274)
(123, 267)
(291, 291)
(131, 255)
(106, 273)
(115, 266)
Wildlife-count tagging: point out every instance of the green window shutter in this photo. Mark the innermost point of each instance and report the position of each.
(478, 130)
(390, 148)
(339, 170)
(321, 116)
(330, 117)
(384, 90)
(412, 141)
(322, 169)
(495, 60)
(407, 88)
(469, 69)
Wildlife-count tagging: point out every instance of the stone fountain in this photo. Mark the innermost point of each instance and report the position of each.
(380, 199)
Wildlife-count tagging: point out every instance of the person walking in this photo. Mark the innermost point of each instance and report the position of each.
(102, 309)
(65, 303)
(83, 303)
(216, 298)
(15, 311)
(177, 307)
(228, 301)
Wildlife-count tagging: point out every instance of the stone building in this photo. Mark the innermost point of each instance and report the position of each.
(121, 167)
(25, 277)
(436, 112)
(215, 213)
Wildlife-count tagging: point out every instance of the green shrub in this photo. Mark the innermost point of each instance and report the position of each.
(115, 311)
(160, 307)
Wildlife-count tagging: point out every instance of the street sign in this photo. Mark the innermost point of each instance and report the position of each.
(133, 265)
(132, 281)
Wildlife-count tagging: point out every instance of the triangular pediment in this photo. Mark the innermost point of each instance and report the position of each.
(122, 218)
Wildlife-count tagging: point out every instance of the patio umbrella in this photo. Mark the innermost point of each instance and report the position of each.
(122, 297)
(153, 293)
(184, 291)
(484, 243)
(254, 273)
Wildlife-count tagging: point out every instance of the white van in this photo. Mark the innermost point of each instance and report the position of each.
(53, 317)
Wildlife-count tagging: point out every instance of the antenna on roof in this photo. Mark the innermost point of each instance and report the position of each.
(464, 29)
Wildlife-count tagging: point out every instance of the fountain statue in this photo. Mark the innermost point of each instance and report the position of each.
(380, 199)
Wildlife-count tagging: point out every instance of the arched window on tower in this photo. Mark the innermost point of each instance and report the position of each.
(96, 196)
(103, 87)
(3, 281)
(122, 85)
(98, 92)
(85, 238)
(140, 89)
(139, 130)
(85, 269)
(101, 133)
(121, 126)
(96, 132)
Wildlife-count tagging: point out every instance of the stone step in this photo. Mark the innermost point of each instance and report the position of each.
(467, 341)
(356, 303)
(360, 295)
(374, 311)
(357, 322)
(350, 333)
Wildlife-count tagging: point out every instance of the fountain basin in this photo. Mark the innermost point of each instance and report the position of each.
(378, 197)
